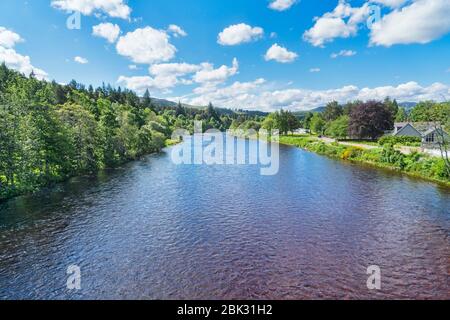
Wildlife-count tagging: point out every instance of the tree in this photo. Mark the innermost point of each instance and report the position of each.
(338, 128)
(370, 120)
(180, 110)
(292, 122)
(332, 111)
(392, 106)
(401, 116)
(269, 123)
(307, 120)
(147, 101)
(318, 123)
(84, 133)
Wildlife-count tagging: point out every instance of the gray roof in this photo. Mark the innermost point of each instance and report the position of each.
(424, 128)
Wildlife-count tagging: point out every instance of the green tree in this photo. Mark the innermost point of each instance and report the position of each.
(318, 124)
(338, 128)
(332, 111)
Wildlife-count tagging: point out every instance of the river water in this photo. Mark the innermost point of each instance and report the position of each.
(155, 230)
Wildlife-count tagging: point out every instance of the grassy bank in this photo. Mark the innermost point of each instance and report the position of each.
(415, 164)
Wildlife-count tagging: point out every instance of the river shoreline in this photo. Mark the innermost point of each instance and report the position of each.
(327, 150)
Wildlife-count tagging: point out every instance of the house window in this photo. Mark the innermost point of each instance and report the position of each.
(430, 138)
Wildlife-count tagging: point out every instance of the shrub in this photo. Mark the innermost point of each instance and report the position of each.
(352, 153)
(391, 156)
(403, 140)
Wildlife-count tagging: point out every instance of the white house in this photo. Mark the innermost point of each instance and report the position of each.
(428, 132)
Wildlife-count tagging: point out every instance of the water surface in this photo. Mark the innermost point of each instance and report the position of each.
(154, 230)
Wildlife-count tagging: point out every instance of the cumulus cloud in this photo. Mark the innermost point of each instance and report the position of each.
(390, 3)
(81, 60)
(342, 22)
(8, 38)
(165, 76)
(420, 22)
(142, 83)
(239, 33)
(176, 31)
(343, 53)
(21, 63)
(237, 94)
(146, 45)
(280, 54)
(254, 95)
(210, 76)
(14, 60)
(113, 8)
(281, 5)
(108, 31)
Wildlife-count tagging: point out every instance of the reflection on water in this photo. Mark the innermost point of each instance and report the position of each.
(153, 230)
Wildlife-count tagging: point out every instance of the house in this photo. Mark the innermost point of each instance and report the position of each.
(428, 132)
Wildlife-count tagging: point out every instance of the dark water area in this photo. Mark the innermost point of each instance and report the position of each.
(155, 230)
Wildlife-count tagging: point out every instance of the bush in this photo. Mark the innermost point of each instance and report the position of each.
(394, 157)
(403, 140)
(352, 153)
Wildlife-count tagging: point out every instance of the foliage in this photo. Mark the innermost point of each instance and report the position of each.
(318, 124)
(400, 140)
(332, 111)
(370, 120)
(338, 128)
(416, 164)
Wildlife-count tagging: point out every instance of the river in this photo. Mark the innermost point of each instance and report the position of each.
(155, 230)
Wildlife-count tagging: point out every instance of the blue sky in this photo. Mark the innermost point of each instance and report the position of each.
(254, 54)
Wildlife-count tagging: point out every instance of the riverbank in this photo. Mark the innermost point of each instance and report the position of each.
(414, 164)
(20, 192)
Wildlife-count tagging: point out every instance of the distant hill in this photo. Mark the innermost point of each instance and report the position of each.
(302, 113)
(407, 105)
(163, 103)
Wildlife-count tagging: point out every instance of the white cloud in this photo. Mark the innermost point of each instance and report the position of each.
(314, 70)
(133, 67)
(239, 33)
(210, 76)
(14, 60)
(254, 95)
(176, 31)
(146, 45)
(81, 60)
(343, 53)
(420, 22)
(390, 3)
(281, 5)
(21, 63)
(113, 8)
(165, 76)
(280, 54)
(8, 38)
(178, 69)
(342, 22)
(231, 96)
(108, 31)
(141, 84)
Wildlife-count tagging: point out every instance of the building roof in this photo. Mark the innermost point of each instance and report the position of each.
(424, 128)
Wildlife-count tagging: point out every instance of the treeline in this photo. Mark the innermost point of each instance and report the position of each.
(371, 119)
(50, 132)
